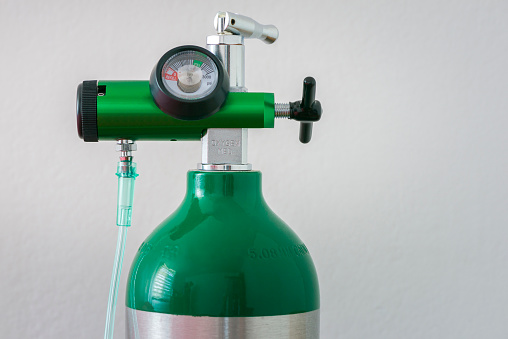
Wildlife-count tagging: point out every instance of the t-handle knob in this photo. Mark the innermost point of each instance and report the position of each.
(307, 111)
(308, 98)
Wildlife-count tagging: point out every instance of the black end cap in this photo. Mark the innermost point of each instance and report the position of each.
(86, 109)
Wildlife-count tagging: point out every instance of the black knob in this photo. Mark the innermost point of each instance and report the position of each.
(307, 111)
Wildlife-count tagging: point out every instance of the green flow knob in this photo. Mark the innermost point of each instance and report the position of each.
(223, 257)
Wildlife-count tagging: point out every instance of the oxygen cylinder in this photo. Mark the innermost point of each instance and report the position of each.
(223, 266)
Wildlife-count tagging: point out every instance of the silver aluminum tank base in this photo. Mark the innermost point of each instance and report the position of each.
(151, 325)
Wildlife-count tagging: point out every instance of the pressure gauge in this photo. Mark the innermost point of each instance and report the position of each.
(189, 83)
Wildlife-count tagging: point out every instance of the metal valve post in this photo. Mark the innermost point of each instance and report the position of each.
(226, 148)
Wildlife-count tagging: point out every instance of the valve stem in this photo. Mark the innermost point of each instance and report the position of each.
(220, 22)
(126, 147)
(282, 110)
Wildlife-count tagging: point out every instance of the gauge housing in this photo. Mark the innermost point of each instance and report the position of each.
(184, 108)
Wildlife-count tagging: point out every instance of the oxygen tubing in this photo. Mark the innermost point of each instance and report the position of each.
(126, 173)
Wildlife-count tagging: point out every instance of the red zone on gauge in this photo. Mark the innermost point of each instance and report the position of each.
(172, 77)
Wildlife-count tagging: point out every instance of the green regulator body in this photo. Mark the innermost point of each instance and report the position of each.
(223, 265)
(126, 110)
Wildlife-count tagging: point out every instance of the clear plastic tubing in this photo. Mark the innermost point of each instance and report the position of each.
(126, 173)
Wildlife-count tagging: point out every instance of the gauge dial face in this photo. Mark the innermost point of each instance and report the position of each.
(189, 83)
(190, 75)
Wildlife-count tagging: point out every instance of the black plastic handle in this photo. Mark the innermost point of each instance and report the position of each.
(309, 92)
(307, 111)
(305, 132)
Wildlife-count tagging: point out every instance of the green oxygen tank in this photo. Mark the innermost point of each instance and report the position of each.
(223, 265)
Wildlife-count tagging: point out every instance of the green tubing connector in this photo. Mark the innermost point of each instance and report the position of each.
(126, 173)
(126, 110)
(223, 253)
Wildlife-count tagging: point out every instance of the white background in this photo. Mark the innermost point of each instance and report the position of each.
(401, 196)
